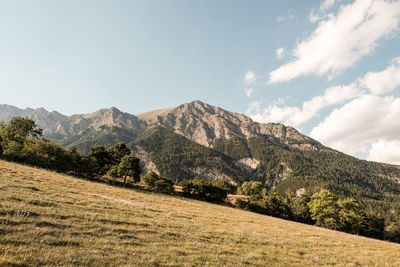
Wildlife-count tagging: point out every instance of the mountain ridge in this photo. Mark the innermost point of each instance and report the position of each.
(197, 121)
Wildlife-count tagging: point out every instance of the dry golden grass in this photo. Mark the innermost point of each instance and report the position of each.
(52, 219)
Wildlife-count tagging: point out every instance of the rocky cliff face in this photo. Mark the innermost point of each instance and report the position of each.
(112, 117)
(203, 124)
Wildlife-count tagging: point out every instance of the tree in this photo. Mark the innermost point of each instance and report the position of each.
(159, 183)
(1, 145)
(103, 158)
(19, 128)
(14, 135)
(2, 125)
(325, 210)
(392, 232)
(352, 216)
(113, 172)
(251, 188)
(150, 178)
(119, 151)
(299, 208)
(129, 166)
(200, 189)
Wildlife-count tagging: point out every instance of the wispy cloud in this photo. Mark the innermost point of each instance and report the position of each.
(289, 16)
(280, 52)
(295, 116)
(321, 13)
(249, 78)
(356, 28)
(248, 91)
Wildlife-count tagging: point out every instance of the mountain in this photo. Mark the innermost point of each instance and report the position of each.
(206, 125)
(200, 140)
(43, 118)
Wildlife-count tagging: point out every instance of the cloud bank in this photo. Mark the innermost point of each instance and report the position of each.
(356, 28)
(366, 124)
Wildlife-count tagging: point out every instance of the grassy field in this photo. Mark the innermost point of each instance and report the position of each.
(52, 219)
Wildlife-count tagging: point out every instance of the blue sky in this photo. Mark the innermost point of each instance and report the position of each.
(329, 68)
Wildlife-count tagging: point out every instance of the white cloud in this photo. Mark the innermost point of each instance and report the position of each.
(342, 39)
(289, 16)
(295, 116)
(249, 78)
(280, 19)
(248, 91)
(385, 151)
(280, 52)
(353, 127)
(384, 81)
(321, 13)
(254, 107)
(327, 4)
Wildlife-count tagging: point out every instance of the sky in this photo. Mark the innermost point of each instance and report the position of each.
(329, 68)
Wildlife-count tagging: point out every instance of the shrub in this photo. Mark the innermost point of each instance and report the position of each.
(208, 191)
(164, 185)
(251, 188)
(158, 183)
(150, 179)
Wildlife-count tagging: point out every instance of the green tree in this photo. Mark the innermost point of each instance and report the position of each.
(119, 151)
(129, 166)
(150, 178)
(251, 188)
(392, 232)
(200, 189)
(298, 206)
(352, 216)
(159, 183)
(15, 134)
(19, 128)
(164, 185)
(113, 172)
(325, 210)
(103, 157)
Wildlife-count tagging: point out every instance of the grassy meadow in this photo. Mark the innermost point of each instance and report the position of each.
(52, 219)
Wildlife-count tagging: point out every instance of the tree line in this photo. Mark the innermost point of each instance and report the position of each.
(323, 208)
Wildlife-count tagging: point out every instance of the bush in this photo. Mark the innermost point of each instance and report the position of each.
(251, 188)
(150, 179)
(158, 183)
(208, 191)
(164, 185)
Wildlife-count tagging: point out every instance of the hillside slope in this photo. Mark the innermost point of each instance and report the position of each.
(52, 219)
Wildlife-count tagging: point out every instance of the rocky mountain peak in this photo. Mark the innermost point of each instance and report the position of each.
(204, 123)
(106, 117)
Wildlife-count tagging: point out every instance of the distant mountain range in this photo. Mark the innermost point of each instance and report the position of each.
(200, 140)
